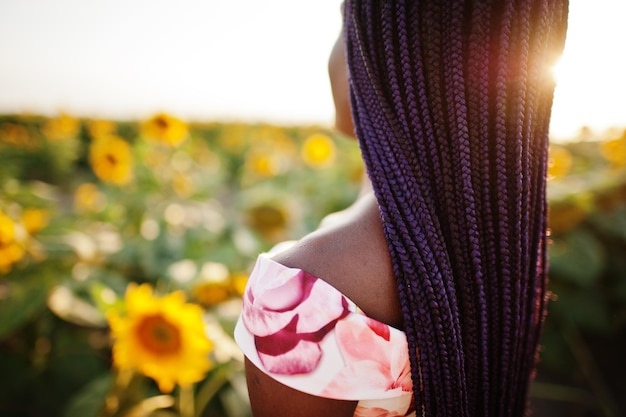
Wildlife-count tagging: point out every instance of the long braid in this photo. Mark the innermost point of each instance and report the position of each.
(504, 197)
(518, 118)
(451, 105)
(468, 260)
(478, 121)
(558, 13)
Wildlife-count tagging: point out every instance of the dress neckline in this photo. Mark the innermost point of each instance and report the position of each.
(356, 309)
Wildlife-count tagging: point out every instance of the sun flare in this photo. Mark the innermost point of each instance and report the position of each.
(590, 82)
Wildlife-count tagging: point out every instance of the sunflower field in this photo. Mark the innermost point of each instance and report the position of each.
(125, 247)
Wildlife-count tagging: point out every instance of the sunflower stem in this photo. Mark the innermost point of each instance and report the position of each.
(185, 401)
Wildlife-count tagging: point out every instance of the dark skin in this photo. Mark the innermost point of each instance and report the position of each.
(349, 251)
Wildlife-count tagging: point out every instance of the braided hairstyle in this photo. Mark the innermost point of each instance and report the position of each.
(451, 104)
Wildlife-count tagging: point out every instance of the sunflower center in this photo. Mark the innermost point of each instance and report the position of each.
(159, 336)
(161, 123)
(111, 159)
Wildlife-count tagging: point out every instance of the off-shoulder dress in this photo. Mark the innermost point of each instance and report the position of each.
(306, 334)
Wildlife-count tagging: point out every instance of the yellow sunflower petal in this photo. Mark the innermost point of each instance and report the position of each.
(62, 127)
(88, 198)
(139, 299)
(34, 220)
(559, 162)
(614, 151)
(7, 229)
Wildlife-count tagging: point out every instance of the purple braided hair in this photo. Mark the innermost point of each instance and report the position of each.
(451, 103)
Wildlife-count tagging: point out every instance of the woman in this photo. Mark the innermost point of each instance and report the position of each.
(427, 295)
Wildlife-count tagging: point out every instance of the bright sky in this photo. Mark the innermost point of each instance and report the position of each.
(243, 59)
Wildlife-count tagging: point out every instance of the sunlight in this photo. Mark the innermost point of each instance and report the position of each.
(232, 60)
(558, 72)
(591, 90)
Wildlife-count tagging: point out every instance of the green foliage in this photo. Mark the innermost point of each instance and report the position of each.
(587, 313)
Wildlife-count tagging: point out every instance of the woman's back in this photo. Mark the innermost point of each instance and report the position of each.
(322, 313)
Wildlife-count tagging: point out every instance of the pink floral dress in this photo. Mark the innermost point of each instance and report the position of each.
(306, 334)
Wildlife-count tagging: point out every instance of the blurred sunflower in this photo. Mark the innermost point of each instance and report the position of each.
(276, 138)
(165, 129)
(563, 217)
(233, 137)
(318, 150)
(614, 151)
(100, 128)
(88, 198)
(210, 293)
(238, 282)
(111, 159)
(163, 338)
(155, 158)
(263, 162)
(10, 249)
(34, 220)
(269, 220)
(16, 135)
(559, 162)
(213, 287)
(60, 128)
(182, 184)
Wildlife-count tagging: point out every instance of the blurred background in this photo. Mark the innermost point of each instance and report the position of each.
(168, 143)
(242, 59)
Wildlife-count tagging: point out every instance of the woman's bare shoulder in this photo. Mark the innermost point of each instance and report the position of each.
(349, 251)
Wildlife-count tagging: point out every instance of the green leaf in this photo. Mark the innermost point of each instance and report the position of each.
(15, 371)
(588, 309)
(554, 353)
(217, 378)
(25, 299)
(577, 257)
(611, 222)
(104, 297)
(89, 401)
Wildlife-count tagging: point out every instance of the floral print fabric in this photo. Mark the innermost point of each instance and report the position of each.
(307, 335)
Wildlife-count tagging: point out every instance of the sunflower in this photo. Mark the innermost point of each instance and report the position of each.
(559, 162)
(234, 137)
(182, 184)
(269, 220)
(614, 151)
(238, 282)
(100, 128)
(165, 129)
(34, 220)
(318, 150)
(263, 162)
(214, 286)
(88, 198)
(17, 136)
(10, 249)
(60, 128)
(111, 159)
(163, 338)
(210, 293)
